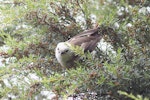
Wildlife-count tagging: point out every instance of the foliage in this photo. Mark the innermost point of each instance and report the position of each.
(132, 96)
(32, 28)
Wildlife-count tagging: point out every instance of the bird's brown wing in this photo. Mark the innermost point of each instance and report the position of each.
(87, 39)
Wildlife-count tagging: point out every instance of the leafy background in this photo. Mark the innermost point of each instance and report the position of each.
(31, 29)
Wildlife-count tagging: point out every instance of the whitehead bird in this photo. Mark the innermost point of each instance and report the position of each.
(87, 40)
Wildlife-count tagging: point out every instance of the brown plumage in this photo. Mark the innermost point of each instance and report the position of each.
(87, 39)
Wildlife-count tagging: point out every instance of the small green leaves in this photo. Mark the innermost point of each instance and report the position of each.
(77, 50)
(138, 97)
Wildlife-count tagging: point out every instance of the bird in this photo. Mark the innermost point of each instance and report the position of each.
(87, 40)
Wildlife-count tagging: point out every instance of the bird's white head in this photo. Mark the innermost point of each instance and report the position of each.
(63, 53)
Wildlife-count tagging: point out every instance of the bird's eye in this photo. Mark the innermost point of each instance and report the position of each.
(66, 50)
(57, 48)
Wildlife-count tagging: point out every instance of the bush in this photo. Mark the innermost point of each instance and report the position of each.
(32, 29)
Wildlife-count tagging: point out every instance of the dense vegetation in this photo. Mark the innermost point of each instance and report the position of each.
(31, 29)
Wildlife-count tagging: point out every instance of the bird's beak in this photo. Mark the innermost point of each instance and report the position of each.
(62, 53)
